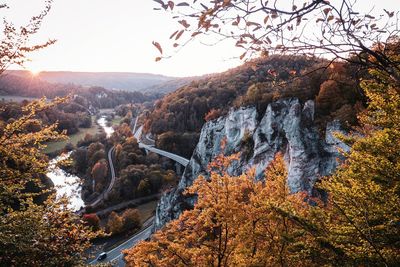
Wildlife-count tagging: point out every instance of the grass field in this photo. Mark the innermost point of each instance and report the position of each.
(74, 138)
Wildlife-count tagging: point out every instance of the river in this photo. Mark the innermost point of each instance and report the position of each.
(66, 183)
(102, 121)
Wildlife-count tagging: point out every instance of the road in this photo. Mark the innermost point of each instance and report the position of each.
(134, 126)
(111, 185)
(115, 256)
(181, 160)
(127, 204)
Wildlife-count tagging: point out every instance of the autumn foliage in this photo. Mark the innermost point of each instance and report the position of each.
(212, 114)
(243, 222)
(236, 221)
(128, 220)
(36, 229)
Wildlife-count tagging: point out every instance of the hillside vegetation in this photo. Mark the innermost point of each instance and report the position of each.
(98, 97)
(334, 87)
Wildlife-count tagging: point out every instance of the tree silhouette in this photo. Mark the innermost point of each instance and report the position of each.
(14, 45)
(318, 27)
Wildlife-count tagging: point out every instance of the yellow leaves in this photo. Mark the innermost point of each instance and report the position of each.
(363, 192)
(45, 235)
(22, 148)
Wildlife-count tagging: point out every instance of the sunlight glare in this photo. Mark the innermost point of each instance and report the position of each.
(35, 72)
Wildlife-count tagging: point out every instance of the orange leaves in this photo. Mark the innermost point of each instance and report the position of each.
(327, 10)
(184, 23)
(243, 221)
(158, 46)
(171, 5)
(251, 23)
(242, 55)
(179, 34)
(173, 35)
(213, 114)
(266, 19)
(236, 22)
(196, 33)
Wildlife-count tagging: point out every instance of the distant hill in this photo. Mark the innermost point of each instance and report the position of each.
(111, 80)
(171, 85)
(26, 86)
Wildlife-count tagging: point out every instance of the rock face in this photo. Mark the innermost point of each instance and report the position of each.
(287, 126)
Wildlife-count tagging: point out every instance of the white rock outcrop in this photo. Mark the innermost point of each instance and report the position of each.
(287, 126)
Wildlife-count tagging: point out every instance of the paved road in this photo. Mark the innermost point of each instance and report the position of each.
(138, 133)
(148, 139)
(136, 120)
(179, 159)
(115, 256)
(174, 157)
(110, 186)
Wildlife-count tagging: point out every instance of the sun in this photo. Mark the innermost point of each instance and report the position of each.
(35, 72)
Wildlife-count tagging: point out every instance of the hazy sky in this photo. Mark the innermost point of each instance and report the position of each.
(117, 35)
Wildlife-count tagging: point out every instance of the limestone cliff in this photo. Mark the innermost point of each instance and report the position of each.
(287, 126)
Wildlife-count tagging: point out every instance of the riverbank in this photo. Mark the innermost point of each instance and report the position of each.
(54, 147)
(66, 183)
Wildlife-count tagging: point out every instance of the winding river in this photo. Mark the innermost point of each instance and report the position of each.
(68, 184)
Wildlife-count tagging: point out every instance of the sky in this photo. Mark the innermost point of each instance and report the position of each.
(117, 36)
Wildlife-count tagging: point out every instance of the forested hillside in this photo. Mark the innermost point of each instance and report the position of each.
(98, 97)
(111, 80)
(182, 113)
(69, 116)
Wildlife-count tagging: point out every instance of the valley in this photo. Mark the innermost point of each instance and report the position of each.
(280, 146)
